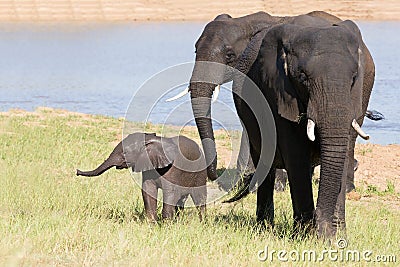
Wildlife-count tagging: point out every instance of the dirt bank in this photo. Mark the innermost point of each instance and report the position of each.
(202, 10)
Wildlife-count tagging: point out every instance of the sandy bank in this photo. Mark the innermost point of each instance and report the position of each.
(201, 10)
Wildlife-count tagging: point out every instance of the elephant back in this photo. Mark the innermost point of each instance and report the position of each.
(190, 157)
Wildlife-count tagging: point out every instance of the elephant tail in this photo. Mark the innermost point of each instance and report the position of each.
(374, 115)
(242, 189)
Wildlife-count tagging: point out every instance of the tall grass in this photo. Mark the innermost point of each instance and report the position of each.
(50, 216)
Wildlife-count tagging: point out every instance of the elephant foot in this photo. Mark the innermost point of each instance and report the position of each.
(325, 230)
(303, 225)
(152, 219)
(264, 225)
(350, 187)
(265, 214)
(324, 227)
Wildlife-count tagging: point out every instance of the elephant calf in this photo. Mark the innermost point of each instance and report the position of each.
(176, 165)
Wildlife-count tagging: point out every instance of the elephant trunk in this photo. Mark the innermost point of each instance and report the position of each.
(332, 119)
(98, 171)
(201, 105)
(116, 158)
(333, 171)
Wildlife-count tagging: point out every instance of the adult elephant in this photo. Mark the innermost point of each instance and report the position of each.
(317, 81)
(223, 41)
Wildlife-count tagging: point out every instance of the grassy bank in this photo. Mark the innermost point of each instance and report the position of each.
(50, 216)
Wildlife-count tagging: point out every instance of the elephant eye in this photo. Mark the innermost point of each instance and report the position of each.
(230, 57)
(302, 77)
(354, 80)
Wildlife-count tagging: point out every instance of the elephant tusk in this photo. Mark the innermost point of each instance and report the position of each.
(358, 129)
(310, 130)
(216, 93)
(184, 92)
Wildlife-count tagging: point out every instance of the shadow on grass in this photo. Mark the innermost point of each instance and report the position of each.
(282, 229)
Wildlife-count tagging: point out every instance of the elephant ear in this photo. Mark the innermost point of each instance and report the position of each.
(269, 44)
(358, 79)
(244, 64)
(157, 152)
(275, 51)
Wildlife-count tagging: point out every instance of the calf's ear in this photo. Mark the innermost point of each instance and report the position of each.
(157, 152)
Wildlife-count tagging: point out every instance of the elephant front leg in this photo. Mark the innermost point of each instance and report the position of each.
(149, 194)
(265, 200)
(302, 198)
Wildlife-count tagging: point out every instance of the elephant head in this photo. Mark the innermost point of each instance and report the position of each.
(222, 41)
(140, 151)
(314, 73)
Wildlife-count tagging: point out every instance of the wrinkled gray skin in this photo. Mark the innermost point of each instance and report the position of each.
(223, 41)
(326, 72)
(171, 164)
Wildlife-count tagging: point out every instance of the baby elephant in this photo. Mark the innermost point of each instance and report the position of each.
(176, 165)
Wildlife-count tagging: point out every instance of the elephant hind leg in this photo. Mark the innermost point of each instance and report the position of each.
(199, 197)
(265, 200)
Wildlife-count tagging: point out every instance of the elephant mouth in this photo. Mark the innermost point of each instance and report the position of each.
(186, 91)
(354, 124)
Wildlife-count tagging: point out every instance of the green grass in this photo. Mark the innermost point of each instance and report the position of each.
(49, 216)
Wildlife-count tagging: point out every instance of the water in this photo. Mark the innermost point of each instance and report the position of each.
(97, 68)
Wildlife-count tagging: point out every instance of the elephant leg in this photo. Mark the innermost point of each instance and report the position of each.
(245, 165)
(298, 166)
(301, 192)
(199, 197)
(180, 205)
(169, 204)
(280, 180)
(174, 196)
(149, 194)
(265, 199)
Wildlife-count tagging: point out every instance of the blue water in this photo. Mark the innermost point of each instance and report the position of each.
(97, 68)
